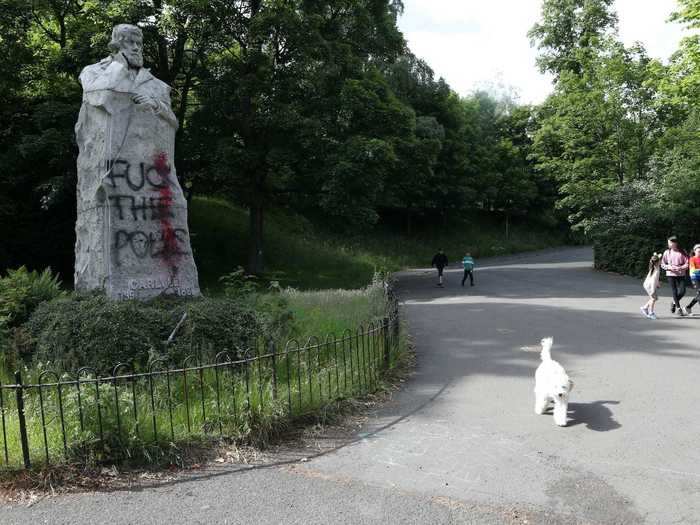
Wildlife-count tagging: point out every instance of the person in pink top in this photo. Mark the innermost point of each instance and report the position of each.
(675, 262)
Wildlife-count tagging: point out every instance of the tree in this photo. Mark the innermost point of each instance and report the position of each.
(571, 32)
(296, 84)
(310, 104)
(598, 129)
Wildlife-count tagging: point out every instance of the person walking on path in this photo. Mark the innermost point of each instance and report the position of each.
(675, 262)
(651, 286)
(439, 262)
(694, 267)
(468, 264)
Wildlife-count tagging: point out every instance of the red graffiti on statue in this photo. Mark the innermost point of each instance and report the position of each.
(171, 252)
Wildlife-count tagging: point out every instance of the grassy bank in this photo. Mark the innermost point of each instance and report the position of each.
(301, 256)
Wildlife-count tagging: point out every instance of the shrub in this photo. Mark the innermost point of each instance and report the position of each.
(238, 283)
(626, 254)
(21, 291)
(628, 228)
(272, 309)
(91, 330)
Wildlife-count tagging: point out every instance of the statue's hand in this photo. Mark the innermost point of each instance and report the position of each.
(145, 100)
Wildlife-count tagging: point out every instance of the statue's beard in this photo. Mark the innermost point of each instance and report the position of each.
(134, 59)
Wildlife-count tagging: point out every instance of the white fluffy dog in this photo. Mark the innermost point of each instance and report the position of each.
(552, 384)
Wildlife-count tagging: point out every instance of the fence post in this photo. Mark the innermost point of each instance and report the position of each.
(387, 350)
(22, 422)
(396, 325)
(273, 351)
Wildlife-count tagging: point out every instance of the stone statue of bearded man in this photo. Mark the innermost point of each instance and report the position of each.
(132, 235)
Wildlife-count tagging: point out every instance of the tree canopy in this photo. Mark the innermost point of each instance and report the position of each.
(620, 131)
(314, 105)
(321, 106)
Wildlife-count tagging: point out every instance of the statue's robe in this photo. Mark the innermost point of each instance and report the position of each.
(132, 238)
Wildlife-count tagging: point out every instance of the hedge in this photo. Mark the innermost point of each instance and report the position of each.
(625, 254)
(91, 330)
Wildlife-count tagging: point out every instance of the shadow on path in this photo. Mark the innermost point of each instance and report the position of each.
(596, 416)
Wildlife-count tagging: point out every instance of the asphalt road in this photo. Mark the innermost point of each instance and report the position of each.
(460, 443)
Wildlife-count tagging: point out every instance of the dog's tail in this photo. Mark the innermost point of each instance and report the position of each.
(546, 353)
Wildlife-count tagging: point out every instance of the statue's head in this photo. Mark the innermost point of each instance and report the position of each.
(128, 40)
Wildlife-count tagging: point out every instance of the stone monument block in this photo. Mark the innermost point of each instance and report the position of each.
(132, 238)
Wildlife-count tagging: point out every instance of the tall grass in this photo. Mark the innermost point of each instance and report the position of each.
(334, 311)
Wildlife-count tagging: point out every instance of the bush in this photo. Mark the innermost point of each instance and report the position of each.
(21, 291)
(91, 330)
(635, 219)
(272, 309)
(626, 254)
(629, 227)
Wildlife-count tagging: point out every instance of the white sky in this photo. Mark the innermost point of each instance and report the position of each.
(476, 43)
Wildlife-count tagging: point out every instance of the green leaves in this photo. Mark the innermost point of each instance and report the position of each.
(619, 134)
(309, 104)
(21, 291)
(571, 32)
(688, 13)
(599, 128)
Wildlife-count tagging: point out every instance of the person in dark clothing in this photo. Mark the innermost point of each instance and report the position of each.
(440, 261)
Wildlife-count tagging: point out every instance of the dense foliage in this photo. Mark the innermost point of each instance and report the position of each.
(620, 133)
(21, 291)
(313, 105)
(321, 107)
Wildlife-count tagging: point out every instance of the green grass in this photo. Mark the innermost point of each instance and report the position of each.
(334, 311)
(304, 257)
(238, 401)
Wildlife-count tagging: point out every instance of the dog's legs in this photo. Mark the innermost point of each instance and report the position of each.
(560, 408)
(541, 403)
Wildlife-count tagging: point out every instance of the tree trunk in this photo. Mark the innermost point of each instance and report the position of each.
(182, 109)
(256, 262)
(163, 65)
(62, 35)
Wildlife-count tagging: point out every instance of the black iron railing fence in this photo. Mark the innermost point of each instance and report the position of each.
(85, 417)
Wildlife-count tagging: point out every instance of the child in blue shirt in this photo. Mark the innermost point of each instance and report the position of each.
(468, 264)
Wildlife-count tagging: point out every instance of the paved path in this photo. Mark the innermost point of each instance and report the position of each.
(460, 443)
